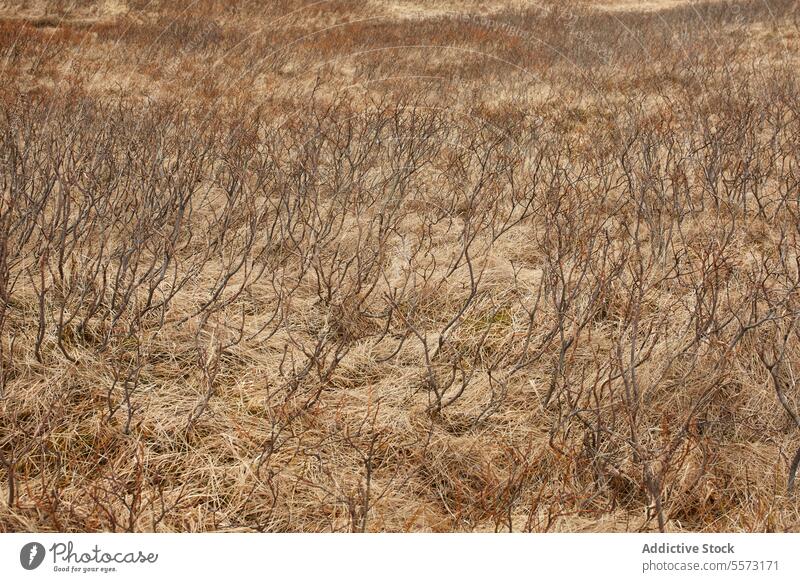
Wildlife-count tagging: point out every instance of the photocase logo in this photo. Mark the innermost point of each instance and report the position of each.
(32, 555)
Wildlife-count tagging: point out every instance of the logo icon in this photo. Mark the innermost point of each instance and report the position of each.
(32, 555)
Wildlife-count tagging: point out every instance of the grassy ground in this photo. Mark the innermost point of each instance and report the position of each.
(384, 265)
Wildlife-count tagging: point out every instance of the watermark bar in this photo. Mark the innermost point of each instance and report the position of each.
(408, 557)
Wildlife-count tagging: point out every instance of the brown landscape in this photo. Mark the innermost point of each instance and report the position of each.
(406, 266)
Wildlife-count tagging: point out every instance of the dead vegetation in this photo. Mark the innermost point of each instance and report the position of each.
(394, 266)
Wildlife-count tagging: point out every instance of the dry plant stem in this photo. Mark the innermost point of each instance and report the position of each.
(774, 365)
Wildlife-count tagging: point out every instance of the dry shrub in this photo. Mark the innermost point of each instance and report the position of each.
(298, 280)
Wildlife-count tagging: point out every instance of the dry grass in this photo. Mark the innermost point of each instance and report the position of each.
(372, 265)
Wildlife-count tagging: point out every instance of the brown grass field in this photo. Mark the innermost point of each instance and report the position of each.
(395, 265)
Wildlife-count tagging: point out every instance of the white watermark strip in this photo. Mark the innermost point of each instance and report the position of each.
(400, 556)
